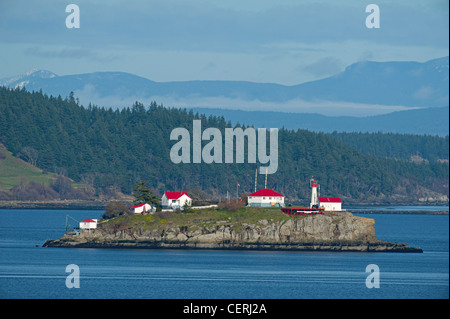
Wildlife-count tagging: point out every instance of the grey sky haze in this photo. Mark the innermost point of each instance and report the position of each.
(287, 42)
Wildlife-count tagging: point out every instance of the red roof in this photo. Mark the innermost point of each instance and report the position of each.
(88, 221)
(330, 199)
(266, 192)
(140, 205)
(175, 195)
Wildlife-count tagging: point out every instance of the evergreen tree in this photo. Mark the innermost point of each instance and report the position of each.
(144, 194)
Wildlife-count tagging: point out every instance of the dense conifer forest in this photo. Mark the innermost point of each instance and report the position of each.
(110, 150)
(398, 146)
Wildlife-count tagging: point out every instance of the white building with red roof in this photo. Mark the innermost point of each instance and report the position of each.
(266, 198)
(174, 200)
(330, 203)
(143, 208)
(88, 224)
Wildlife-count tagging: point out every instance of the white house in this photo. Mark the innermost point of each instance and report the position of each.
(143, 208)
(174, 200)
(88, 224)
(330, 203)
(266, 198)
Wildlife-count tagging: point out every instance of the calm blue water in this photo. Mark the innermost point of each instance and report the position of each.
(28, 270)
(398, 208)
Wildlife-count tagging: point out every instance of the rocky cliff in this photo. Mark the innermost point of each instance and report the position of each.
(268, 231)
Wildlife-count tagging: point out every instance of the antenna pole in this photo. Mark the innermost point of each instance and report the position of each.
(265, 184)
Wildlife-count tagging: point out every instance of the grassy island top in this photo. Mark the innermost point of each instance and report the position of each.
(203, 218)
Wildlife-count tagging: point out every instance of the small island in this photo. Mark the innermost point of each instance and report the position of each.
(241, 228)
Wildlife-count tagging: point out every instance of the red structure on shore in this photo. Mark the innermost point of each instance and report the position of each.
(296, 211)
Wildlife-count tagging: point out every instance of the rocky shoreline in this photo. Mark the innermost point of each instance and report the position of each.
(248, 229)
(323, 246)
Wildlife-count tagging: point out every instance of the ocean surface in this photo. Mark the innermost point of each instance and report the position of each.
(27, 270)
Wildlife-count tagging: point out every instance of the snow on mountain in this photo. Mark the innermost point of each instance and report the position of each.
(27, 77)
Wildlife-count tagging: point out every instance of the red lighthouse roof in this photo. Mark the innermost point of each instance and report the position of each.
(266, 192)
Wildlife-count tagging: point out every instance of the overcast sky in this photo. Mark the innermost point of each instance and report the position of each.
(280, 41)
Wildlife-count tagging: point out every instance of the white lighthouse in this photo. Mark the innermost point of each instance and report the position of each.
(314, 197)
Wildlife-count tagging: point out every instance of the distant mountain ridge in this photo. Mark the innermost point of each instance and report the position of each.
(411, 84)
(385, 83)
(429, 121)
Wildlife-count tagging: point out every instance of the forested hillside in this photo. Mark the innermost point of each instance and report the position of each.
(110, 150)
(398, 146)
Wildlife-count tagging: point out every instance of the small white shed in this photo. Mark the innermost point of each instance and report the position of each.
(143, 208)
(88, 224)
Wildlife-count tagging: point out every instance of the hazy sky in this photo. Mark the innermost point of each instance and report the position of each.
(280, 41)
